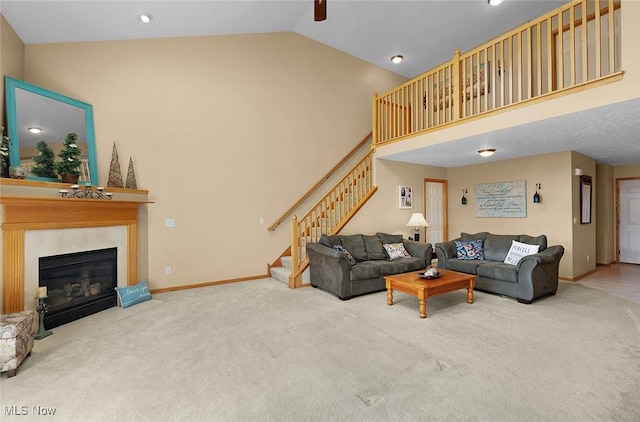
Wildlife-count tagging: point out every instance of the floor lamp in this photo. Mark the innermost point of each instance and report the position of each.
(417, 220)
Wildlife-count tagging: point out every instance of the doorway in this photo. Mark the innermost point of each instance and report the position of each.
(435, 207)
(628, 220)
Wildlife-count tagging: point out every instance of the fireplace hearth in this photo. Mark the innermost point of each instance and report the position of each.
(78, 284)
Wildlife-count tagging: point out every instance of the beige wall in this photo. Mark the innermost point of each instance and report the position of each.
(11, 58)
(552, 216)
(11, 64)
(381, 213)
(222, 130)
(605, 208)
(584, 235)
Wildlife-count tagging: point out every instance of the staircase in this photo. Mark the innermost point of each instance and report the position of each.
(328, 216)
(284, 272)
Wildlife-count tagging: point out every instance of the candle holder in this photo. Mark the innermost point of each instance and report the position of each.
(86, 193)
(42, 309)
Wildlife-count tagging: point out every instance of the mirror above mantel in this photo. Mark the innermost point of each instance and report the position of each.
(56, 115)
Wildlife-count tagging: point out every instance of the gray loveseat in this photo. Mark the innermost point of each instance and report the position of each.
(332, 271)
(534, 275)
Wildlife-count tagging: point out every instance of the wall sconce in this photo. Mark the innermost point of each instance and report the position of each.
(536, 196)
(463, 201)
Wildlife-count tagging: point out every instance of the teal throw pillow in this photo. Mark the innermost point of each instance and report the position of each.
(131, 295)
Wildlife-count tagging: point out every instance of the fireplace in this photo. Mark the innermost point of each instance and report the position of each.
(78, 284)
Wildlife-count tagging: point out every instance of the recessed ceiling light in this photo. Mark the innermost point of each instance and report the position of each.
(35, 129)
(487, 152)
(397, 59)
(495, 2)
(145, 17)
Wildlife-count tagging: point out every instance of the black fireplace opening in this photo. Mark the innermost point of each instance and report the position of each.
(78, 284)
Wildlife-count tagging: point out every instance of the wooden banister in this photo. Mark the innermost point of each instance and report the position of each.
(330, 214)
(530, 62)
(324, 178)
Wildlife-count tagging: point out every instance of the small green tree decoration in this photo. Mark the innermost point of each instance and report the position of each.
(69, 156)
(44, 161)
(4, 156)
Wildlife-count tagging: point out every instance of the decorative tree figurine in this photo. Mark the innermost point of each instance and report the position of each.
(69, 164)
(44, 161)
(115, 175)
(4, 156)
(131, 176)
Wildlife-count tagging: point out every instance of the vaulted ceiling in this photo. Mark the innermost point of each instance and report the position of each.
(425, 32)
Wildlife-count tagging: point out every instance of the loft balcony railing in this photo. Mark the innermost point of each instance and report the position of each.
(573, 46)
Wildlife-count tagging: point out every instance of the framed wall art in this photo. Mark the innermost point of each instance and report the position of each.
(502, 199)
(586, 192)
(405, 197)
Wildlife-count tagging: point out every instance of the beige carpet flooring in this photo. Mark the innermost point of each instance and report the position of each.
(257, 351)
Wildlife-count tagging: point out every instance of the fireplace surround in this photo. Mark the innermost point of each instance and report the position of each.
(31, 210)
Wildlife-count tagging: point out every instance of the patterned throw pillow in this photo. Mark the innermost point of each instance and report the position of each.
(396, 250)
(350, 258)
(471, 249)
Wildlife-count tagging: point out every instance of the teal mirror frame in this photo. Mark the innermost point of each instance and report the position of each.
(10, 85)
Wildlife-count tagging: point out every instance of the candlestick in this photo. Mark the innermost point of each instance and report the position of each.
(41, 292)
(87, 192)
(42, 309)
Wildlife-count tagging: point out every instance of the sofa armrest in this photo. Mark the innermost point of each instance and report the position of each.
(550, 256)
(329, 269)
(444, 251)
(418, 249)
(538, 273)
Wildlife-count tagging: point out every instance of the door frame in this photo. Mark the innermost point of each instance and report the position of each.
(617, 205)
(445, 204)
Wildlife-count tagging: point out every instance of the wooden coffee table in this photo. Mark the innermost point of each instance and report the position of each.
(413, 284)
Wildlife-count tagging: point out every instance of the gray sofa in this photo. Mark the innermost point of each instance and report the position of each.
(332, 271)
(534, 275)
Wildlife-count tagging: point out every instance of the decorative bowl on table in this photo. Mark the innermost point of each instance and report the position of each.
(431, 273)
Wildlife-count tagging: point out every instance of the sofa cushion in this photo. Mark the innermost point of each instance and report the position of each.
(390, 267)
(350, 258)
(389, 238)
(476, 236)
(329, 241)
(365, 269)
(413, 264)
(539, 240)
(467, 266)
(496, 246)
(471, 249)
(355, 244)
(396, 251)
(375, 250)
(498, 271)
(519, 250)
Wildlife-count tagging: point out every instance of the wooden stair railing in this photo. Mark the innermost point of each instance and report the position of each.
(323, 179)
(330, 214)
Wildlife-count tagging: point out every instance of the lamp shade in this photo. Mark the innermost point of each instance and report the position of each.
(417, 220)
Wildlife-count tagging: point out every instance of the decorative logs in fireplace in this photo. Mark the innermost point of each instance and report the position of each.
(79, 284)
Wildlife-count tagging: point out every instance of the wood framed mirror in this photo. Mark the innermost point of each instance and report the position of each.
(56, 115)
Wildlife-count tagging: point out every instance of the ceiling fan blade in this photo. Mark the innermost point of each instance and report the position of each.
(319, 10)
